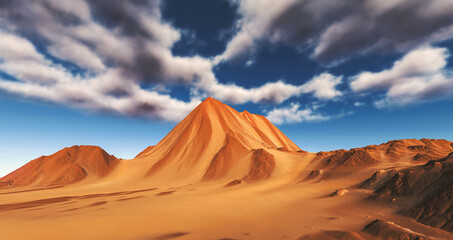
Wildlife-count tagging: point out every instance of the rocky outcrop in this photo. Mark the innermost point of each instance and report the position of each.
(427, 189)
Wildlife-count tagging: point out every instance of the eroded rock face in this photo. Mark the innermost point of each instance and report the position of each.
(424, 157)
(340, 192)
(418, 150)
(351, 159)
(262, 166)
(428, 190)
(389, 230)
(233, 183)
(436, 210)
(340, 163)
(332, 235)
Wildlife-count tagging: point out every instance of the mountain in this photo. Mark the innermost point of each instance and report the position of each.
(144, 151)
(393, 153)
(216, 141)
(66, 166)
(238, 172)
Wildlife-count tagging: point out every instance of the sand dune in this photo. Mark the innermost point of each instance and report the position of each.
(221, 174)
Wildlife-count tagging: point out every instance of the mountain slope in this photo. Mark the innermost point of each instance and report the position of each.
(214, 141)
(66, 166)
(428, 187)
(405, 152)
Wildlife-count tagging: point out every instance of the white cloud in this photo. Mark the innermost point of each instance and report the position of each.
(92, 94)
(419, 76)
(117, 52)
(322, 86)
(293, 114)
(17, 48)
(358, 104)
(257, 15)
(106, 43)
(79, 8)
(37, 72)
(250, 63)
(419, 62)
(73, 51)
(40, 78)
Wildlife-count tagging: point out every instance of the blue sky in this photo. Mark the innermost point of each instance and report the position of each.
(121, 74)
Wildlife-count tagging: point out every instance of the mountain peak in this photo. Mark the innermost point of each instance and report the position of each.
(214, 136)
(209, 101)
(246, 113)
(83, 148)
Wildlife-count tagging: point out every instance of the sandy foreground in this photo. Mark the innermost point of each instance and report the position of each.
(281, 207)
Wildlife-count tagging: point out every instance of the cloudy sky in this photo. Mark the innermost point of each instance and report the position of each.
(120, 74)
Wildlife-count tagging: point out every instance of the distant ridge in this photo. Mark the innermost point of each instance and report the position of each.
(406, 151)
(66, 166)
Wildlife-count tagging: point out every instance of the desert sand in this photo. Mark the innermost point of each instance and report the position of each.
(221, 174)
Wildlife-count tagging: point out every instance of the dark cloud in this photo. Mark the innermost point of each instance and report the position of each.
(402, 27)
(306, 20)
(113, 46)
(97, 55)
(122, 14)
(142, 109)
(337, 30)
(44, 22)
